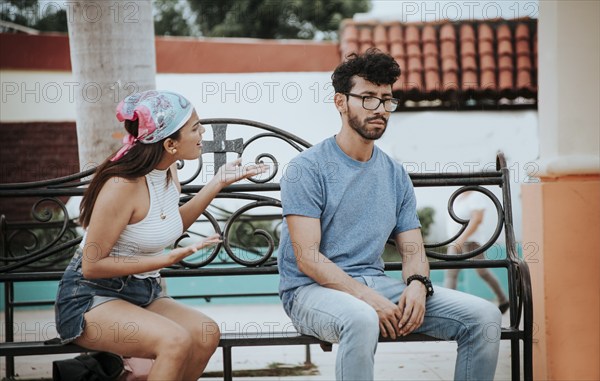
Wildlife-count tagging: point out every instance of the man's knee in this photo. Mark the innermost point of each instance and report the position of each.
(490, 321)
(364, 322)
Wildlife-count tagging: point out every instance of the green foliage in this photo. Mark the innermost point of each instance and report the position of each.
(274, 18)
(169, 19)
(390, 254)
(46, 17)
(426, 217)
(243, 234)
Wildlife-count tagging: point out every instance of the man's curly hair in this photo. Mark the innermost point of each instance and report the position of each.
(374, 66)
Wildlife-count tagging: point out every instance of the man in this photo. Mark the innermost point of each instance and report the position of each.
(342, 199)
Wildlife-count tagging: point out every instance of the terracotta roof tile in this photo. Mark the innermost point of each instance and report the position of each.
(488, 80)
(454, 61)
(432, 81)
(448, 49)
(469, 80)
(505, 63)
(505, 47)
(449, 64)
(467, 48)
(431, 63)
(447, 33)
(398, 86)
(414, 81)
(522, 47)
(429, 34)
(505, 80)
(350, 33)
(397, 50)
(449, 82)
(412, 35)
(468, 63)
(364, 47)
(467, 33)
(523, 63)
(535, 49)
(522, 32)
(380, 35)
(414, 64)
(486, 47)
(413, 50)
(383, 47)
(402, 63)
(487, 62)
(365, 35)
(485, 32)
(430, 49)
(524, 83)
(503, 33)
(395, 33)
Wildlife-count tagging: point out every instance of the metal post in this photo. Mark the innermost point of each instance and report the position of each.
(8, 325)
(308, 361)
(515, 358)
(227, 372)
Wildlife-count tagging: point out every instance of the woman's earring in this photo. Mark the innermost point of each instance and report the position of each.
(174, 151)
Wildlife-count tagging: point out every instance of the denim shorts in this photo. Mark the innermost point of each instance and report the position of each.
(77, 295)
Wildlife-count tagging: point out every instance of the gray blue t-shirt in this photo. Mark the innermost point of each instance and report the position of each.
(360, 205)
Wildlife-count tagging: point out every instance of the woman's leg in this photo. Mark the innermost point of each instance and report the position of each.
(203, 331)
(128, 330)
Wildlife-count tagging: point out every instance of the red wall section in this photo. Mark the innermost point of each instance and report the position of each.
(181, 54)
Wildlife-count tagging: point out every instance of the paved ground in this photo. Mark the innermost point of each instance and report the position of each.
(394, 361)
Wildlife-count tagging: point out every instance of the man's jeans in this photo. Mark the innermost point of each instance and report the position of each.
(338, 317)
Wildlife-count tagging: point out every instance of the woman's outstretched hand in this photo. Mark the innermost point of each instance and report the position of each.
(180, 253)
(235, 171)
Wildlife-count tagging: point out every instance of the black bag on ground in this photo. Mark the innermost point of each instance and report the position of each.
(100, 366)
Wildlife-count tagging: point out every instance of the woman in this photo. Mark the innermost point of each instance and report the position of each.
(110, 298)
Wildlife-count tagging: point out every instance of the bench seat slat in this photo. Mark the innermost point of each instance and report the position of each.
(228, 339)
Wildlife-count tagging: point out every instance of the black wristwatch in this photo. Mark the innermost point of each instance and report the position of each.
(424, 280)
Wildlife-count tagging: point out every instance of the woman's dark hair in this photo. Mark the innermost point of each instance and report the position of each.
(374, 66)
(140, 160)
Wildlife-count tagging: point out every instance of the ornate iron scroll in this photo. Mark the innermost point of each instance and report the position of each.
(47, 240)
(464, 223)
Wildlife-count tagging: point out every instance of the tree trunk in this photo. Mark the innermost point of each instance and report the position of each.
(112, 56)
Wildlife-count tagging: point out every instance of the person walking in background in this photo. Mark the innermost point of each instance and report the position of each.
(110, 298)
(470, 205)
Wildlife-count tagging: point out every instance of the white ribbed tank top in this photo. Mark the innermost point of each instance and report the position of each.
(151, 235)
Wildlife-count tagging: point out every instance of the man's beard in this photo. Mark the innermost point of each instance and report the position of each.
(363, 131)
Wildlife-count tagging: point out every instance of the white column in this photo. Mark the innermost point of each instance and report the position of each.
(569, 87)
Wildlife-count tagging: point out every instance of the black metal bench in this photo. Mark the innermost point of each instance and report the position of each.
(239, 253)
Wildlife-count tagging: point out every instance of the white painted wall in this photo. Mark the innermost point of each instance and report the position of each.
(301, 103)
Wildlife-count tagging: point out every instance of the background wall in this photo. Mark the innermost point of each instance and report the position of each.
(301, 103)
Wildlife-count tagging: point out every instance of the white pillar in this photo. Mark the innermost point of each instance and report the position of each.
(569, 87)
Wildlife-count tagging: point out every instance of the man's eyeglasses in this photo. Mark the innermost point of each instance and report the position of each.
(370, 102)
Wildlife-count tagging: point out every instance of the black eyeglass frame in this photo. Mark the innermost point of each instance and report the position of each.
(384, 101)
